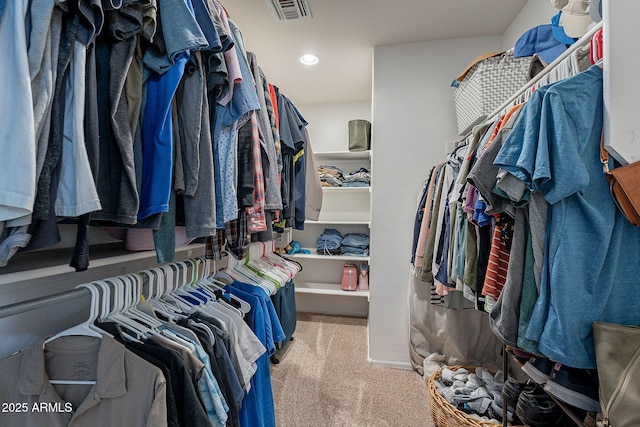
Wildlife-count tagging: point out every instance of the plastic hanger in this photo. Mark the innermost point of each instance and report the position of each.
(133, 310)
(166, 272)
(121, 301)
(83, 329)
(270, 255)
(107, 309)
(235, 267)
(156, 291)
(245, 307)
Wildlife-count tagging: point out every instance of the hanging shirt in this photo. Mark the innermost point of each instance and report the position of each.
(229, 119)
(17, 133)
(181, 34)
(77, 192)
(258, 409)
(588, 274)
(128, 390)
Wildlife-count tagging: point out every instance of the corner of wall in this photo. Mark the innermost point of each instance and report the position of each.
(534, 13)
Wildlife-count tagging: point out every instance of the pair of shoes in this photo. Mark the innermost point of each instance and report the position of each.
(538, 369)
(535, 408)
(577, 387)
(511, 390)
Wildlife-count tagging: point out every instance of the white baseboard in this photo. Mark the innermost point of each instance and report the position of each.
(388, 364)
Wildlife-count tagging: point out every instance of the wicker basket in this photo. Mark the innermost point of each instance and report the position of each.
(446, 415)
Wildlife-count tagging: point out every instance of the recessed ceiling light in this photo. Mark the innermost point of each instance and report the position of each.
(309, 59)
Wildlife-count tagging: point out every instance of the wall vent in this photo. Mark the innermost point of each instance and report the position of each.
(289, 10)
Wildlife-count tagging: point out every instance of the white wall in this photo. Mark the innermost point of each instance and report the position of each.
(413, 124)
(328, 123)
(535, 12)
(413, 119)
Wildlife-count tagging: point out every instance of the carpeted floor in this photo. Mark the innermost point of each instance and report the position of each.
(324, 379)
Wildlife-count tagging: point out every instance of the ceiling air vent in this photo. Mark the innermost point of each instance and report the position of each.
(289, 10)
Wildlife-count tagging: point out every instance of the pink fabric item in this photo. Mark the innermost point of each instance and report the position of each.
(141, 239)
(230, 59)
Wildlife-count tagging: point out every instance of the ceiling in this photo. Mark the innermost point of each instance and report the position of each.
(343, 33)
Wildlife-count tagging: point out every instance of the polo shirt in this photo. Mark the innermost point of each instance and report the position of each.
(128, 391)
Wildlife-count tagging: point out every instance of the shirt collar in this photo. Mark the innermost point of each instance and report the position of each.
(111, 379)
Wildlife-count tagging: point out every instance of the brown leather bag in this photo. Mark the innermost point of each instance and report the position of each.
(624, 185)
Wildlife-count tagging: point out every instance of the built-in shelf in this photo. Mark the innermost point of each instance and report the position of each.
(342, 155)
(348, 189)
(348, 210)
(338, 222)
(314, 255)
(328, 289)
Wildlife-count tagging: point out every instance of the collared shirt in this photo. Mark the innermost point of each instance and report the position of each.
(128, 391)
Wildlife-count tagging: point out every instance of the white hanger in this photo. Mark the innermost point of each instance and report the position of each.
(135, 331)
(279, 261)
(107, 308)
(156, 291)
(83, 329)
(133, 310)
(169, 295)
(211, 282)
(239, 270)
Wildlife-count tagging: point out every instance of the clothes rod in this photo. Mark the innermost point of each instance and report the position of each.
(41, 302)
(582, 41)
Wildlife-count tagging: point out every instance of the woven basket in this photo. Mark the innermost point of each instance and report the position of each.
(446, 415)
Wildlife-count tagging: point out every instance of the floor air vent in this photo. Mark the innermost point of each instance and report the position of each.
(289, 10)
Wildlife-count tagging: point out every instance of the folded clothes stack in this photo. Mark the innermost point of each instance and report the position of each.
(328, 243)
(359, 178)
(332, 242)
(330, 176)
(355, 244)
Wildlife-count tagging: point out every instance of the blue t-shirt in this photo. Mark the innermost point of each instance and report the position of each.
(590, 264)
(258, 407)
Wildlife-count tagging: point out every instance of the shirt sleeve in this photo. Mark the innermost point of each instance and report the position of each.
(560, 170)
(158, 411)
(518, 153)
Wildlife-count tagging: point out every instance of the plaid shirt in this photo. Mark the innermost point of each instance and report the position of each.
(233, 238)
(256, 220)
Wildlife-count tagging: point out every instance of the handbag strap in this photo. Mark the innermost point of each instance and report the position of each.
(604, 156)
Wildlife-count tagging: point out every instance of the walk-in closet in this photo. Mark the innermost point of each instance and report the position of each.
(319, 213)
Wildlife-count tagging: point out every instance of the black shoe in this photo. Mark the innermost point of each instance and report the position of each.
(577, 387)
(538, 369)
(511, 390)
(537, 409)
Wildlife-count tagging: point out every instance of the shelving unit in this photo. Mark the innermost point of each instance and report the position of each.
(348, 210)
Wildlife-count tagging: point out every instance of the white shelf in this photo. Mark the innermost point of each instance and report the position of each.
(342, 155)
(314, 255)
(338, 222)
(348, 189)
(328, 289)
(347, 209)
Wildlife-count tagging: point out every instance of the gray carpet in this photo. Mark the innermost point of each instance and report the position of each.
(324, 379)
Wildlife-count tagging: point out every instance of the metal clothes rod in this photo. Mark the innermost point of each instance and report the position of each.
(47, 300)
(41, 302)
(582, 41)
